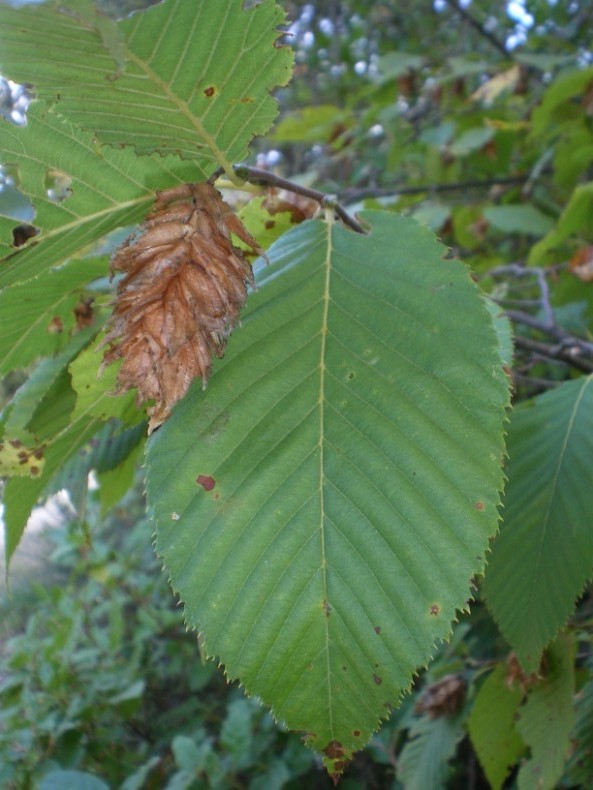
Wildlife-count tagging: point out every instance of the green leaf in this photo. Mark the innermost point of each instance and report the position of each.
(110, 189)
(547, 718)
(60, 438)
(115, 483)
(71, 780)
(580, 766)
(29, 395)
(310, 124)
(552, 110)
(504, 330)
(519, 218)
(494, 738)
(95, 390)
(573, 221)
(543, 555)
(323, 506)
(471, 140)
(422, 764)
(196, 80)
(39, 320)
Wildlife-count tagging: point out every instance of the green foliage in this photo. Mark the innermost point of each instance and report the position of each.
(325, 508)
(65, 724)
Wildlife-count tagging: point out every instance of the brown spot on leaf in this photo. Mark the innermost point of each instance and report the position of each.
(34, 470)
(84, 313)
(269, 224)
(377, 629)
(326, 607)
(356, 733)
(334, 750)
(435, 609)
(377, 680)
(22, 233)
(16, 443)
(209, 92)
(56, 325)
(206, 482)
(479, 506)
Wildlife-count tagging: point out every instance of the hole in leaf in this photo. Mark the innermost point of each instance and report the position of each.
(14, 101)
(13, 203)
(58, 185)
(22, 233)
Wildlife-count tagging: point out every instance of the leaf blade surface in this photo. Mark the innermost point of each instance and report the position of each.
(316, 506)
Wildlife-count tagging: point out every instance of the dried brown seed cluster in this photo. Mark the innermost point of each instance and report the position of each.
(183, 287)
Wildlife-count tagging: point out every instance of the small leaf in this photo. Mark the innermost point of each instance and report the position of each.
(580, 766)
(494, 737)
(519, 218)
(471, 140)
(71, 780)
(96, 390)
(422, 764)
(354, 436)
(39, 319)
(542, 557)
(572, 222)
(547, 718)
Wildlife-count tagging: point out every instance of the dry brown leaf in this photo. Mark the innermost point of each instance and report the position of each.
(183, 287)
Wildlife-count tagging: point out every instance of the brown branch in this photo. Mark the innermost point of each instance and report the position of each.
(569, 354)
(354, 195)
(258, 177)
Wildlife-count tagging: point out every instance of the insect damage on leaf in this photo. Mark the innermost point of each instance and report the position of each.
(184, 284)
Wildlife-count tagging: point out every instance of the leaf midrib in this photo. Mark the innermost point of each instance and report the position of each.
(321, 402)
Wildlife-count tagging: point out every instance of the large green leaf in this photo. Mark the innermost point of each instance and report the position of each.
(110, 189)
(323, 506)
(190, 78)
(544, 554)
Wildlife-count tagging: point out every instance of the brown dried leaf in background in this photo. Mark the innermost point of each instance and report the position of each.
(581, 263)
(183, 287)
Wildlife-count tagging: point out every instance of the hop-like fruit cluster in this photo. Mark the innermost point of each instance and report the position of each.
(184, 284)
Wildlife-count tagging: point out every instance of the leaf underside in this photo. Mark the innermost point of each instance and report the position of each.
(323, 506)
(543, 556)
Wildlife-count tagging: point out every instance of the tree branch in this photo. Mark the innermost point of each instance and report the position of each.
(258, 177)
(567, 348)
(569, 354)
(354, 195)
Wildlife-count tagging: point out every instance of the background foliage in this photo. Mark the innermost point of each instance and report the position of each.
(478, 126)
